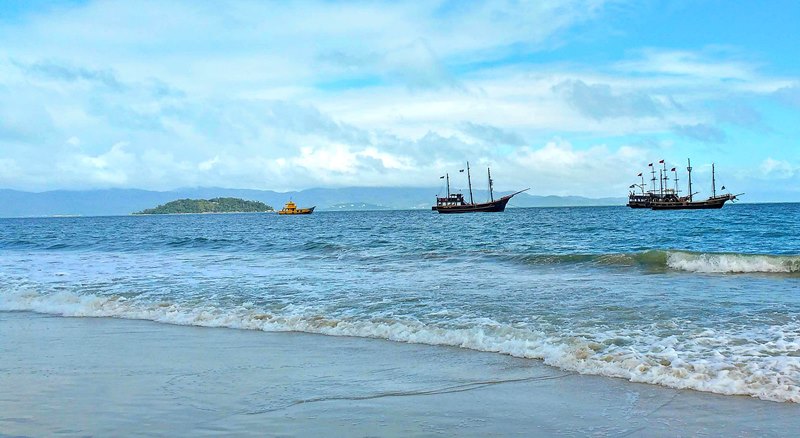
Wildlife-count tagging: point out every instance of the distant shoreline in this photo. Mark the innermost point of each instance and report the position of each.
(211, 205)
(325, 210)
(122, 202)
(181, 214)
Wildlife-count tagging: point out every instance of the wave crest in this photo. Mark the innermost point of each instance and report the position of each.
(732, 263)
(664, 361)
(722, 263)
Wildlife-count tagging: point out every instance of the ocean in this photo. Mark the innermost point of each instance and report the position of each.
(702, 300)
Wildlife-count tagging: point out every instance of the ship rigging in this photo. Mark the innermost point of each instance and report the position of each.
(455, 202)
(668, 198)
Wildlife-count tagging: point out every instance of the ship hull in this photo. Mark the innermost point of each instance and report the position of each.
(297, 211)
(486, 207)
(710, 204)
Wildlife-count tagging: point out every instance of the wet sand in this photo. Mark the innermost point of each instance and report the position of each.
(113, 377)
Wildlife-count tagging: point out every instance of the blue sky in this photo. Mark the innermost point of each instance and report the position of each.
(568, 97)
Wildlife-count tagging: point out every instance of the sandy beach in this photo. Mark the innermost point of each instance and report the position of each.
(106, 377)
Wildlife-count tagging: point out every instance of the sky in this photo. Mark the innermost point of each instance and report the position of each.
(566, 97)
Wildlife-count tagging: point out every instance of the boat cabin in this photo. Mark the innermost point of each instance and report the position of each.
(290, 207)
(451, 200)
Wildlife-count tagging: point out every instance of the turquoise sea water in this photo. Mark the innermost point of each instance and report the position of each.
(708, 300)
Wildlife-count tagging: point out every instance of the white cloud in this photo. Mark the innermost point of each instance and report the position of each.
(112, 167)
(778, 168)
(689, 64)
(559, 168)
(287, 39)
(208, 164)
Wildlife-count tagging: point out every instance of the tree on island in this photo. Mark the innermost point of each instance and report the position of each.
(215, 205)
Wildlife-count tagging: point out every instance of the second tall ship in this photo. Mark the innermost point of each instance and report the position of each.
(455, 203)
(667, 198)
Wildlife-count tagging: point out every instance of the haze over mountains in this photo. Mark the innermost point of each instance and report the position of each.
(112, 202)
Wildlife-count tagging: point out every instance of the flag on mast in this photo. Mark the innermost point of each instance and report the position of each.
(650, 165)
(640, 174)
(661, 162)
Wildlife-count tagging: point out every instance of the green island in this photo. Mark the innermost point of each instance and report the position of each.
(214, 205)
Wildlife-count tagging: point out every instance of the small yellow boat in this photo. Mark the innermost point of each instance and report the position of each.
(291, 208)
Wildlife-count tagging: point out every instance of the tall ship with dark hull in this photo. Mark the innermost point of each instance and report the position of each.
(668, 198)
(455, 202)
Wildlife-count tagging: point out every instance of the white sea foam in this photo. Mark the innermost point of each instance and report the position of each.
(732, 263)
(755, 364)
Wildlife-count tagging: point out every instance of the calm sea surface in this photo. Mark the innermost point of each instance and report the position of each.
(708, 300)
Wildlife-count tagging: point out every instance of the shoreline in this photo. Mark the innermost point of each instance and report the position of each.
(326, 210)
(102, 376)
(183, 214)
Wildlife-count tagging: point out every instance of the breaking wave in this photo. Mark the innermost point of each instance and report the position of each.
(723, 263)
(732, 263)
(761, 363)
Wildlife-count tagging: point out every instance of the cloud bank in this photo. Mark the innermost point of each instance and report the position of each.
(295, 95)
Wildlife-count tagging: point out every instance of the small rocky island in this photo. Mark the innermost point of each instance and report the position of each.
(215, 205)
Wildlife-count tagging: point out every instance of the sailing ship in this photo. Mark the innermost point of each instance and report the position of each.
(667, 198)
(291, 208)
(455, 202)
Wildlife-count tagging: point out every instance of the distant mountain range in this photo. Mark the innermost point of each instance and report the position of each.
(111, 202)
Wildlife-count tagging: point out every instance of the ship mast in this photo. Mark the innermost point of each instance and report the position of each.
(491, 194)
(675, 170)
(448, 184)
(689, 168)
(653, 171)
(469, 182)
(666, 176)
(661, 181)
(713, 182)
